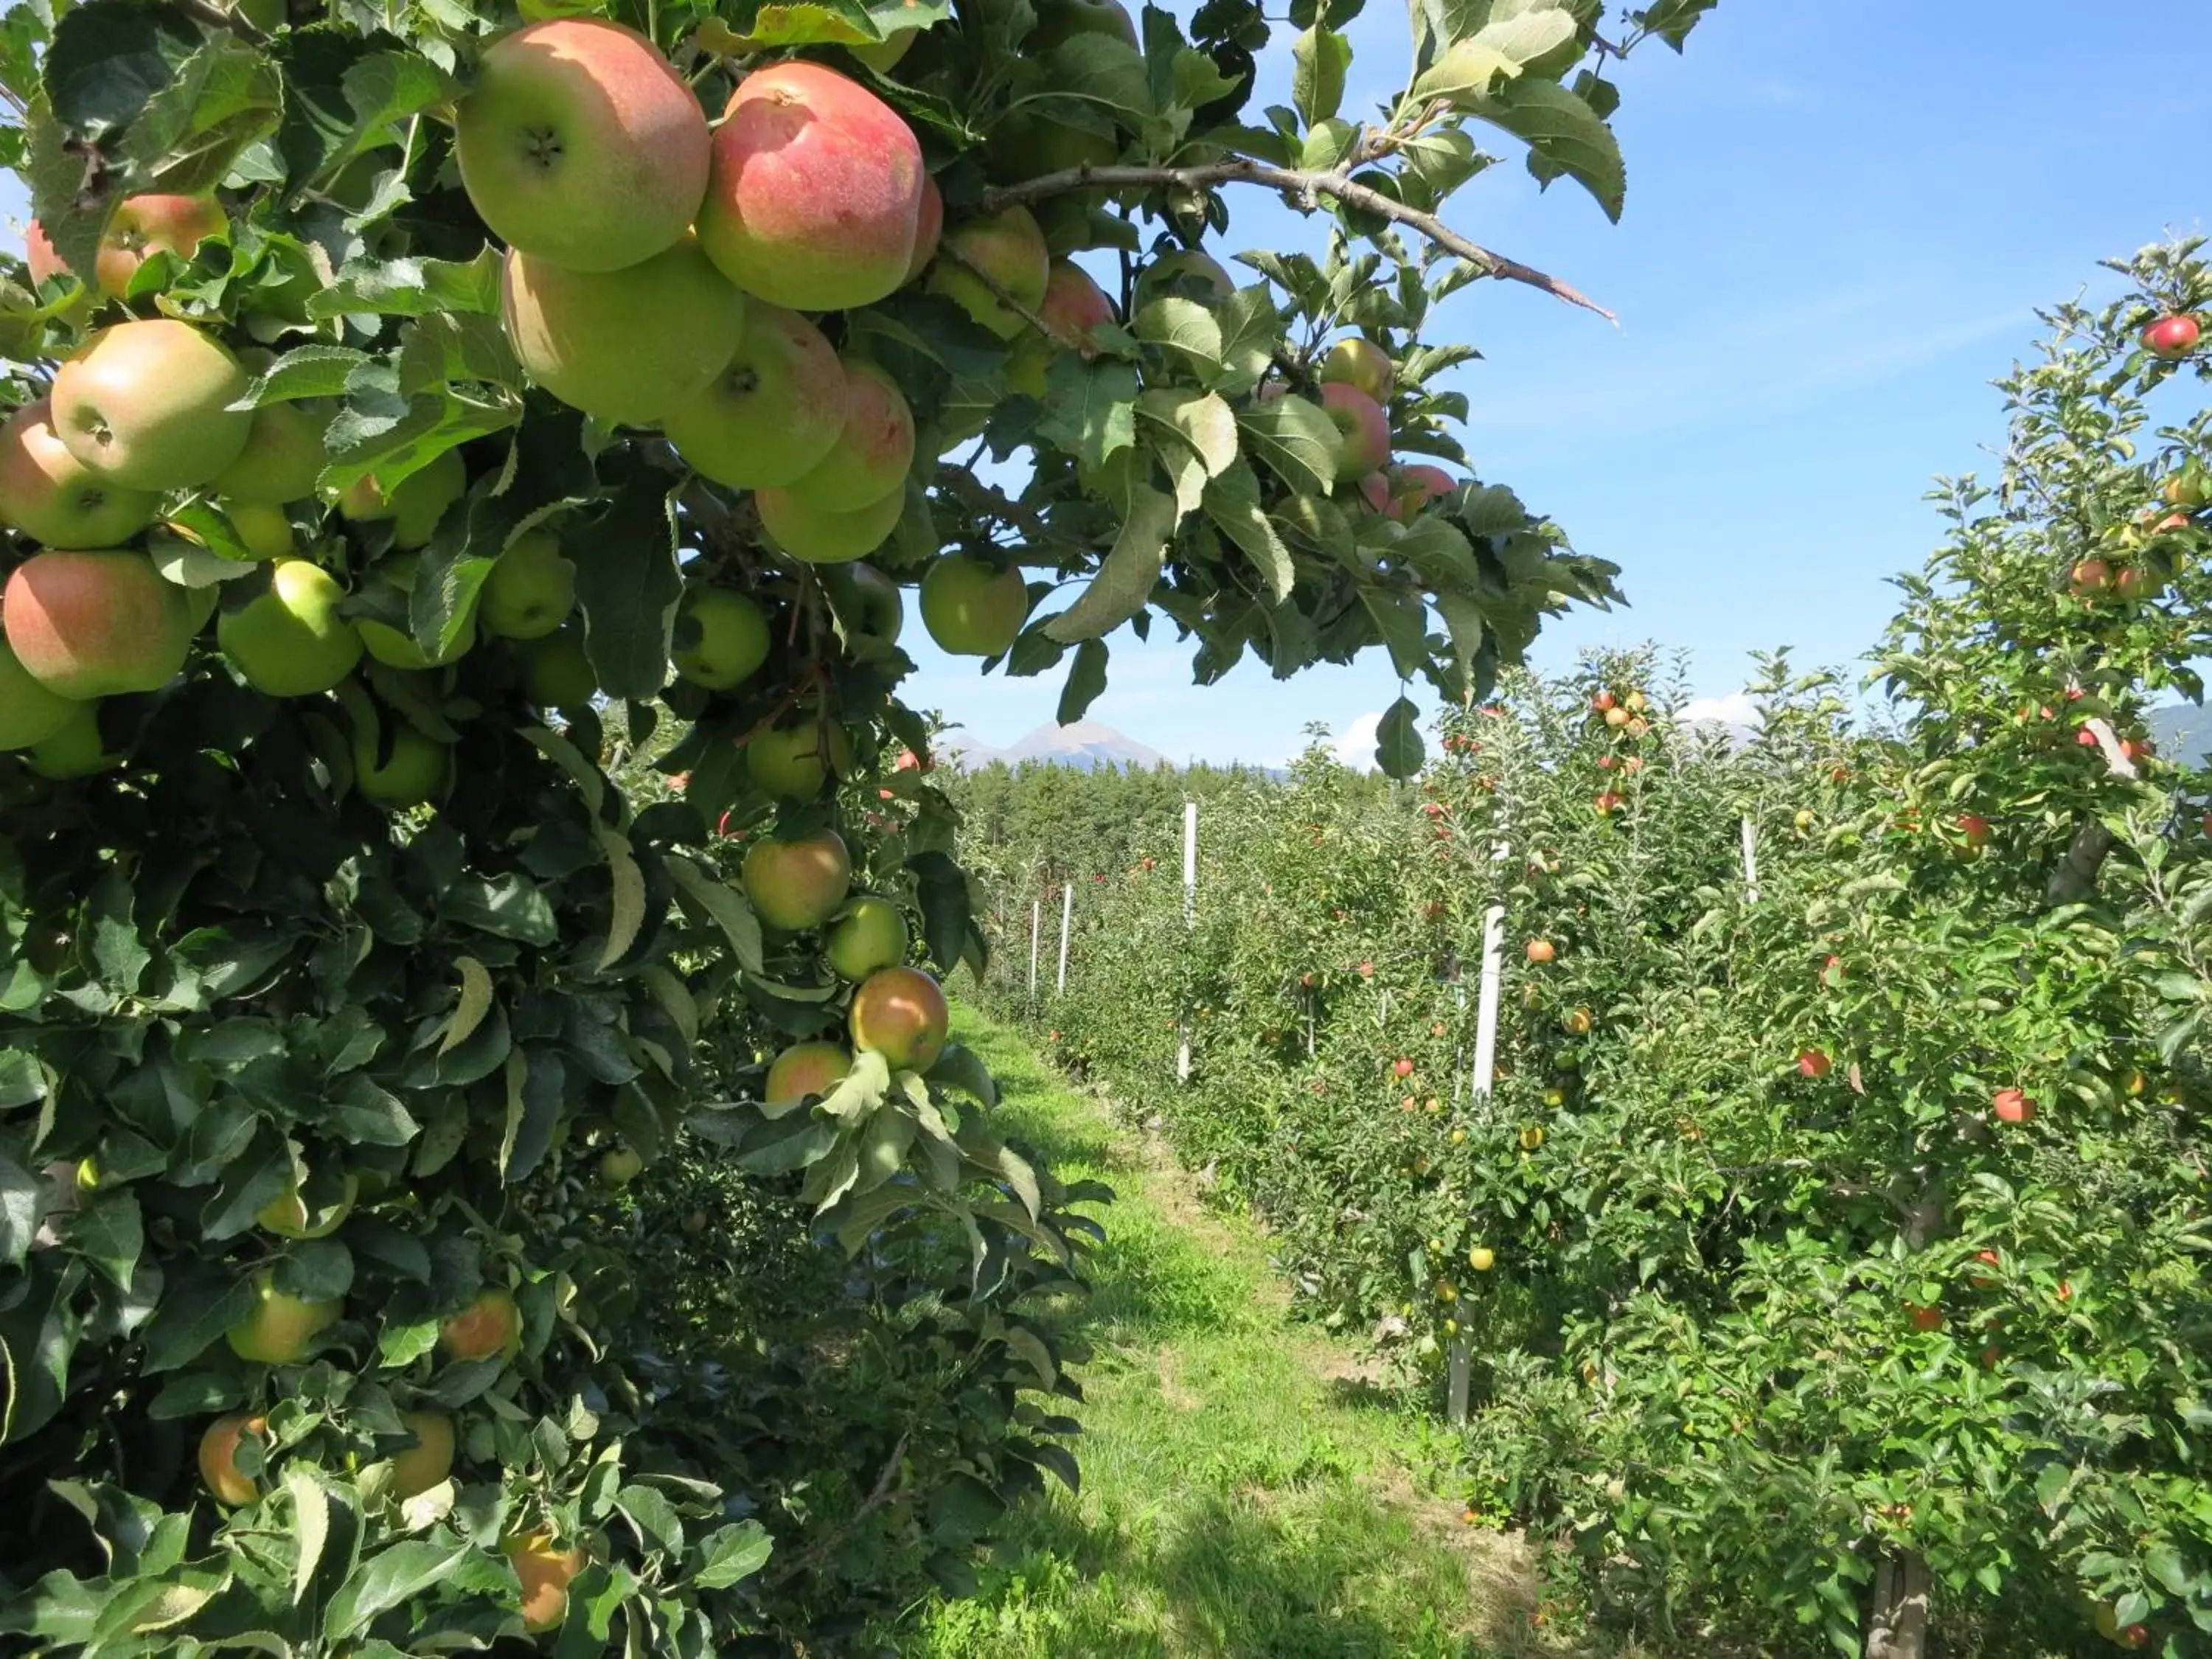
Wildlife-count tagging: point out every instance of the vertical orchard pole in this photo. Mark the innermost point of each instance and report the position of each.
(1750, 862)
(1189, 918)
(1067, 915)
(1037, 921)
(1485, 1071)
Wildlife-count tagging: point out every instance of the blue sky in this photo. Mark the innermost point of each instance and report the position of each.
(1840, 219)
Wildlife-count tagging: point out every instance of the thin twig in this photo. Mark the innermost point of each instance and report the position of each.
(1301, 186)
(806, 1558)
(998, 289)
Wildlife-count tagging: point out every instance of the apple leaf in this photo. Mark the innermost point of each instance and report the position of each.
(1296, 439)
(1232, 503)
(1123, 585)
(1089, 408)
(411, 287)
(1563, 134)
(1086, 678)
(109, 59)
(627, 585)
(1398, 748)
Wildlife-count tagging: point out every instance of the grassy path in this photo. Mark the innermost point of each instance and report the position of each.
(1244, 1493)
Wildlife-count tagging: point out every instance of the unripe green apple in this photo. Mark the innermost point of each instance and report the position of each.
(488, 1328)
(772, 413)
(75, 749)
(796, 761)
(721, 637)
(873, 451)
(815, 191)
(29, 713)
(972, 608)
(900, 1013)
(410, 775)
(95, 624)
(1060, 21)
(1011, 250)
(815, 536)
(397, 647)
(626, 346)
(145, 404)
(284, 454)
(287, 1214)
(262, 526)
(290, 642)
(54, 498)
(619, 1166)
(429, 1460)
(1361, 363)
(557, 671)
(882, 604)
(797, 884)
(280, 1326)
(578, 144)
(531, 590)
(804, 1069)
(415, 505)
(869, 933)
(1186, 273)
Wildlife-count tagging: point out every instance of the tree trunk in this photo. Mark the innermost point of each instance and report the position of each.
(1897, 1622)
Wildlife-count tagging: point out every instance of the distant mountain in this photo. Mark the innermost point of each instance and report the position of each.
(1085, 745)
(2183, 732)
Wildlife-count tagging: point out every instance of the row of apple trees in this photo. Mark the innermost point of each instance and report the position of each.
(457, 1187)
(1832, 1248)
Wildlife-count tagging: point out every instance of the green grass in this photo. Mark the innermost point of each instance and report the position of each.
(1243, 1492)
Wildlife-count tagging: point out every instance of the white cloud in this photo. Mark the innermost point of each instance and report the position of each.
(1356, 748)
(1735, 711)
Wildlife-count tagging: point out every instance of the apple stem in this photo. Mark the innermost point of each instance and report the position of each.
(1298, 185)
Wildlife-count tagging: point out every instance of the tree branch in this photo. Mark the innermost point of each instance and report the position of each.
(998, 289)
(808, 1558)
(222, 17)
(1302, 187)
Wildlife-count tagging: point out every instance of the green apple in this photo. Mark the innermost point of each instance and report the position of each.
(531, 590)
(263, 527)
(874, 450)
(814, 535)
(881, 603)
(29, 713)
(1361, 363)
(1010, 249)
(1060, 21)
(429, 1460)
(410, 775)
(145, 405)
(723, 638)
(795, 761)
(557, 673)
(972, 608)
(54, 498)
(619, 1166)
(415, 505)
(802, 1070)
(290, 642)
(287, 1215)
(773, 412)
(1187, 273)
(869, 933)
(397, 647)
(284, 454)
(280, 1326)
(625, 346)
(796, 885)
(73, 749)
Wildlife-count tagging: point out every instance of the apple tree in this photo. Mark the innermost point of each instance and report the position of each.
(416, 417)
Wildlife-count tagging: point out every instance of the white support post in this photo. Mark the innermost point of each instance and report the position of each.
(1067, 916)
(1189, 919)
(1750, 862)
(1462, 1359)
(1036, 923)
(1486, 1015)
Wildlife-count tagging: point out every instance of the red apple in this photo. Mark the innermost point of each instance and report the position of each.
(2012, 1106)
(1812, 1063)
(900, 1013)
(2172, 336)
(94, 624)
(1364, 430)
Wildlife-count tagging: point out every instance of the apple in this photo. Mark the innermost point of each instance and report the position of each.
(900, 1013)
(1814, 1063)
(144, 404)
(1579, 1021)
(1924, 1318)
(414, 504)
(1010, 249)
(29, 713)
(490, 1327)
(95, 624)
(284, 454)
(869, 933)
(1362, 429)
(771, 413)
(1975, 828)
(1360, 364)
(290, 642)
(1188, 273)
(1540, 951)
(54, 498)
(802, 1070)
(429, 1460)
(264, 530)
(2090, 576)
(815, 535)
(141, 225)
(815, 191)
(1073, 305)
(724, 634)
(544, 1570)
(619, 1166)
(1988, 1258)
(287, 1215)
(1414, 487)
(1617, 718)
(556, 670)
(2136, 584)
(874, 449)
(2012, 1106)
(797, 884)
(1531, 1138)
(1401, 1068)
(2172, 336)
(882, 605)
(219, 1467)
(396, 647)
(928, 228)
(1061, 20)
(971, 607)
(531, 590)
(281, 1326)
(796, 761)
(75, 749)
(624, 346)
(409, 776)
(1482, 1258)
(1603, 702)
(579, 144)
(2188, 488)
(1374, 489)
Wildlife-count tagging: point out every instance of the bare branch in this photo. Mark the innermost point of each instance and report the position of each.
(1302, 187)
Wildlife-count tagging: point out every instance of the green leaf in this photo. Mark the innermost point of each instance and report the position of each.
(308, 371)
(1090, 407)
(729, 1555)
(110, 1234)
(408, 287)
(1201, 420)
(1086, 678)
(311, 1524)
(391, 1578)
(1296, 440)
(109, 58)
(223, 97)
(941, 890)
(963, 1068)
(1398, 749)
(196, 1307)
(1319, 58)
(1565, 137)
(510, 906)
(536, 1082)
(21, 1193)
(1124, 586)
(699, 891)
(627, 586)
(1183, 327)
(1232, 503)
